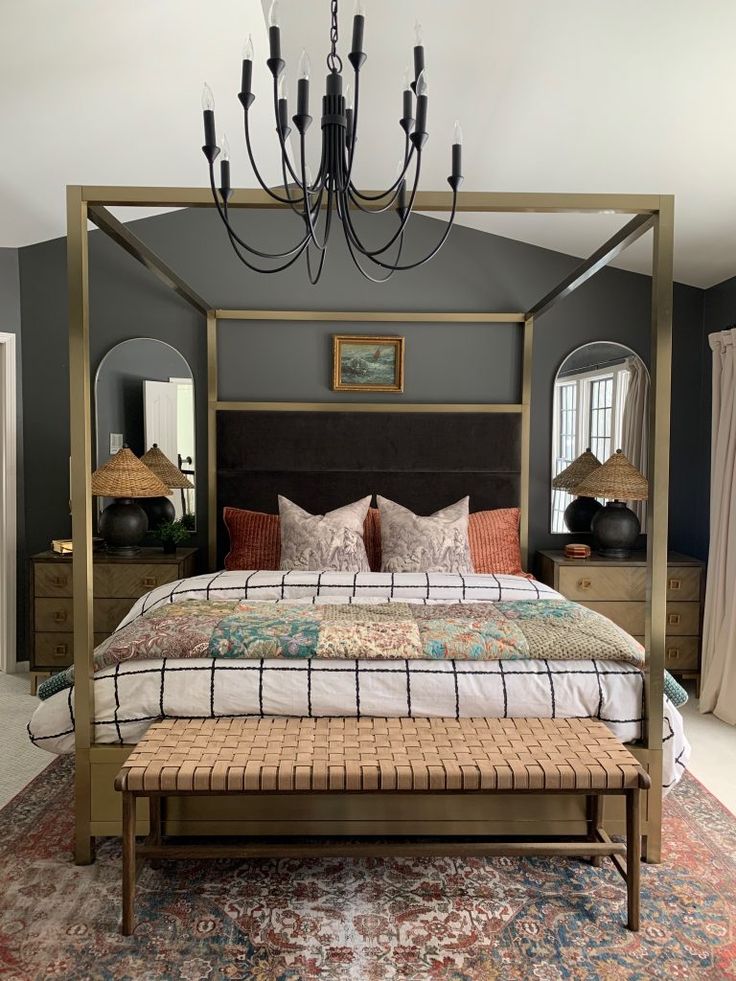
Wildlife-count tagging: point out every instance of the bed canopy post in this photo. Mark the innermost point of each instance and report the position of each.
(80, 406)
(657, 515)
(526, 412)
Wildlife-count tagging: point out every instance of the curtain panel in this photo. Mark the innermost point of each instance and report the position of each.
(718, 691)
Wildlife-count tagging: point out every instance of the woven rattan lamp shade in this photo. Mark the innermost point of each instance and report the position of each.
(616, 480)
(569, 478)
(162, 466)
(125, 476)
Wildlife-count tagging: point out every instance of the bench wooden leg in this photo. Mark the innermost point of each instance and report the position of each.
(594, 816)
(633, 858)
(129, 863)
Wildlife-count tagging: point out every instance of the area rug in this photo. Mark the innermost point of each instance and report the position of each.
(363, 919)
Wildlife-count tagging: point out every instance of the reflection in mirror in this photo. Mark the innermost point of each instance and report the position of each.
(144, 395)
(600, 404)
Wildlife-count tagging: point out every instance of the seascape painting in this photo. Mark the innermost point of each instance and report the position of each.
(368, 363)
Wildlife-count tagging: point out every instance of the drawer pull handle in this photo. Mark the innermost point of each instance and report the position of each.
(673, 618)
(58, 581)
(584, 583)
(674, 584)
(673, 652)
(149, 582)
(60, 616)
(61, 650)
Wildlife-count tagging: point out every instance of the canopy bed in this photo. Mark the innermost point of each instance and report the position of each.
(488, 457)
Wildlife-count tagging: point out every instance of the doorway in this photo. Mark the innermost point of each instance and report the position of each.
(8, 480)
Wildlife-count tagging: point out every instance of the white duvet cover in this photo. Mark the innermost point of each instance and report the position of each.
(132, 695)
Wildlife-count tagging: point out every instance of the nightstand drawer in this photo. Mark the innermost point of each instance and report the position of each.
(58, 614)
(588, 583)
(130, 580)
(56, 650)
(683, 584)
(681, 653)
(682, 618)
(52, 579)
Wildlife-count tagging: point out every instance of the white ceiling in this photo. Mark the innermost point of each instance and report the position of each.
(575, 95)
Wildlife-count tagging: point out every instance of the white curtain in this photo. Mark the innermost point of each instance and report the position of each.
(635, 425)
(718, 689)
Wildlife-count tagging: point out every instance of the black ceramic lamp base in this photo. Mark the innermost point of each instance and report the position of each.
(579, 514)
(123, 525)
(615, 530)
(159, 511)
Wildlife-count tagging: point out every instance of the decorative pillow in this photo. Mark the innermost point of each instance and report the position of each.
(255, 539)
(332, 542)
(437, 543)
(494, 541)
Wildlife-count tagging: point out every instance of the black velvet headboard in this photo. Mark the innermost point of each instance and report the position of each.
(322, 460)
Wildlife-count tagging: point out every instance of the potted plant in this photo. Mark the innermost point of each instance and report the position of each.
(172, 534)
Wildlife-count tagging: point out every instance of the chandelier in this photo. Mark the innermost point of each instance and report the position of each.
(332, 193)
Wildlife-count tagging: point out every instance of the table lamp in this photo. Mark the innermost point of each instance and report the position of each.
(615, 527)
(580, 511)
(123, 523)
(160, 510)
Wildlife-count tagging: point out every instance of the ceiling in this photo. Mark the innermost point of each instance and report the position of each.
(576, 95)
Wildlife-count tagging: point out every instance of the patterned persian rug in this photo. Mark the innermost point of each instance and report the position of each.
(363, 919)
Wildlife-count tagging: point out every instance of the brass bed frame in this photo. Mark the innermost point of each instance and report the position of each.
(97, 805)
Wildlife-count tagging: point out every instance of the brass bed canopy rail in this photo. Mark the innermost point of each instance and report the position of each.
(649, 211)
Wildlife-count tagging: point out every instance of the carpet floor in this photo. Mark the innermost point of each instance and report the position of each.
(363, 919)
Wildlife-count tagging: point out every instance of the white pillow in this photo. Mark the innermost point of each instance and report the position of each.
(437, 543)
(331, 542)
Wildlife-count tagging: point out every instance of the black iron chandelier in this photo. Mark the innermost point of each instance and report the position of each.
(332, 191)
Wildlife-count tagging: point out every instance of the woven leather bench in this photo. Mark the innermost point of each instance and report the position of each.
(179, 757)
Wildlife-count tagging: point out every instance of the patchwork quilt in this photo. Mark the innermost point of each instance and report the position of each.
(548, 629)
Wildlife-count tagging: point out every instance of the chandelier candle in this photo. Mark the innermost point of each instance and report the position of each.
(418, 51)
(332, 194)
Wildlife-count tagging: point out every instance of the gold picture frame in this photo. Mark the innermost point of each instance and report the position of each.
(367, 363)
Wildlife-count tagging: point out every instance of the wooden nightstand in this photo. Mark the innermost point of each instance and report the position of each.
(118, 582)
(616, 587)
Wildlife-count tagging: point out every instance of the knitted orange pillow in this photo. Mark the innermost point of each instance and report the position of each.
(494, 541)
(255, 539)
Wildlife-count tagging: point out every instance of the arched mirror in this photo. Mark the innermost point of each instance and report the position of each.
(600, 404)
(144, 396)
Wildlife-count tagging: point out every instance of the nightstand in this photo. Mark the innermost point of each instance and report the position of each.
(118, 582)
(616, 588)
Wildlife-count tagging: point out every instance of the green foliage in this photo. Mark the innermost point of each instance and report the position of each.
(172, 533)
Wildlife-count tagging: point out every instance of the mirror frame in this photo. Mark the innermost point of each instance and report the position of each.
(100, 364)
(552, 413)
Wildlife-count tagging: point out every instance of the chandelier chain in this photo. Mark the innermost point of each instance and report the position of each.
(334, 61)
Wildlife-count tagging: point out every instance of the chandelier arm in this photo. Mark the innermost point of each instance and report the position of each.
(223, 213)
(314, 279)
(309, 218)
(356, 262)
(282, 139)
(253, 268)
(408, 154)
(251, 157)
(371, 253)
(433, 252)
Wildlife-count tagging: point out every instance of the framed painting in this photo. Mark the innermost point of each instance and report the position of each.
(367, 363)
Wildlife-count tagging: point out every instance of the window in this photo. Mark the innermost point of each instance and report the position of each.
(588, 411)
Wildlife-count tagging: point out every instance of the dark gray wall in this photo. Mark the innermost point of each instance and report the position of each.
(10, 319)
(475, 272)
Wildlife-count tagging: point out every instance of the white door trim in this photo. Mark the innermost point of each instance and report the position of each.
(8, 529)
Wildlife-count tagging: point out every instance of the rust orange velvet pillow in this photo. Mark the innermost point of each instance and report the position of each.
(255, 539)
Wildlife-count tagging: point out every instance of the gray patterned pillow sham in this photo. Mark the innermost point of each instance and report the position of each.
(332, 542)
(437, 543)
